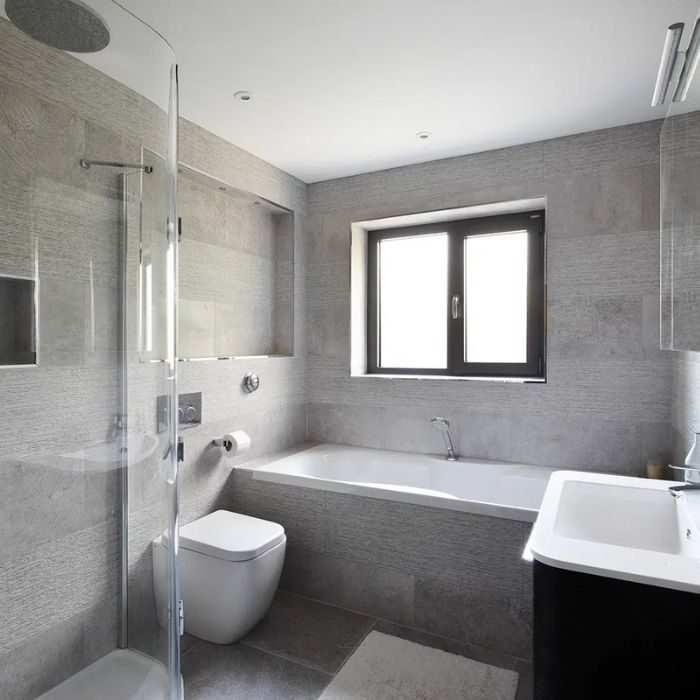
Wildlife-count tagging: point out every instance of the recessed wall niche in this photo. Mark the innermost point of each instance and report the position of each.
(236, 271)
(18, 321)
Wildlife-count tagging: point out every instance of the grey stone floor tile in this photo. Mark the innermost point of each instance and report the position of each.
(187, 641)
(225, 672)
(453, 646)
(308, 632)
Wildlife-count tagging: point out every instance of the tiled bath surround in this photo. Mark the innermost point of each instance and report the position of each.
(606, 402)
(454, 574)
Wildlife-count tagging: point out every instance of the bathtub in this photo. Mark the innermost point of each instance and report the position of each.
(483, 487)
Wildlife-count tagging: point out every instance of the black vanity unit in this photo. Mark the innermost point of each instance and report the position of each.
(598, 638)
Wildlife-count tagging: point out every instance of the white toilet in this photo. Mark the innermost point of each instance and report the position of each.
(230, 565)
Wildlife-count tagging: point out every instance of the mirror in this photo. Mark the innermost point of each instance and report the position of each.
(18, 321)
(680, 224)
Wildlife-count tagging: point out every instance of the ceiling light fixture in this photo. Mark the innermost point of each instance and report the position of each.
(423, 135)
(669, 55)
(243, 96)
(692, 57)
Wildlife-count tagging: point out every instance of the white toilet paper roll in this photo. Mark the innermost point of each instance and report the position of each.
(234, 443)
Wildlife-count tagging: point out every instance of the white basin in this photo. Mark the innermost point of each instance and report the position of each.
(620, 527)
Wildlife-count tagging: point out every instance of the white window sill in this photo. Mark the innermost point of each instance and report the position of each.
(422, 377)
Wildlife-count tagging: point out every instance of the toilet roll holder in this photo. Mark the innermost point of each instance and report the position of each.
(223, 442)
(234, 443)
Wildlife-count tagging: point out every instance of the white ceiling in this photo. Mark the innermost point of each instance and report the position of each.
(342, 86)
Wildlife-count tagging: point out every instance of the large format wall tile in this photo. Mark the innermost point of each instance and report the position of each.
(55, 654)
(602, 444)
(608, 149)
(685, 418)
(484, 618)
(606, 376)
(474, 551)
(375, 590)
(596, 326)
(591, 389)
(609, 201)
(56, 581)
(300, 511)
(603, 264)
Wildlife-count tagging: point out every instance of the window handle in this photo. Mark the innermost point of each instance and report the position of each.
(455, 306)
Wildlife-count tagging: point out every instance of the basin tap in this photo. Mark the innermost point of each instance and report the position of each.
(690, 474)
(690, 469)
(682, 488)
(443, 426)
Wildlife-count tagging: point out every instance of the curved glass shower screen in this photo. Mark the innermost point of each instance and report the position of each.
(88, 451)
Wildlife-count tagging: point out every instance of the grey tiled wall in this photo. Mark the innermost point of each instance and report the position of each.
(455, 574)
(685, 417)
(232, 275)
(59, 531)
(606, 403)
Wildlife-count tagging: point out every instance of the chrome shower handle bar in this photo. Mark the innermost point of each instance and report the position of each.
(87, 164)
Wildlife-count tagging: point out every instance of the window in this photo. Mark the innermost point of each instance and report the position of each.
(461, 298)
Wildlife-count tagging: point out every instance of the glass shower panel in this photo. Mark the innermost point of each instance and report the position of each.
(88, 469)
(680, 221)
(150, 486)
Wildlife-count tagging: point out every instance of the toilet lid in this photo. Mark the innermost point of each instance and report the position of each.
(230, 536)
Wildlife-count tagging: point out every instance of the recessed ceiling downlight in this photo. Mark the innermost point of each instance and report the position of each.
(424, 135)
(243, 96)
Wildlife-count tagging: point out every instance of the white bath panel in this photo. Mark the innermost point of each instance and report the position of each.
(120, 675)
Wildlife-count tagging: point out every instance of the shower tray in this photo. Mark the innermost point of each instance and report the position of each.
(122, 674)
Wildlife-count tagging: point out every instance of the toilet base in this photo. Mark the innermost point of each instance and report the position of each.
(222, 600)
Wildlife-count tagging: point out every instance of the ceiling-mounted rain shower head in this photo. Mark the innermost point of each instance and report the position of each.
(69, 25)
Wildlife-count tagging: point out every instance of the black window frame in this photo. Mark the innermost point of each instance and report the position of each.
(535, 366)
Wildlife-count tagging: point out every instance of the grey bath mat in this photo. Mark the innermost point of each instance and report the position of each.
(389, 668)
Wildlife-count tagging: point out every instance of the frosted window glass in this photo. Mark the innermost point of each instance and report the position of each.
(495, 267)
(413, 301)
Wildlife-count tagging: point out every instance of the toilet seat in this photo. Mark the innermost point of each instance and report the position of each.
(230, 536)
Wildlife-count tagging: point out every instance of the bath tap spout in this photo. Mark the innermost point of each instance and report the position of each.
(443, 425)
